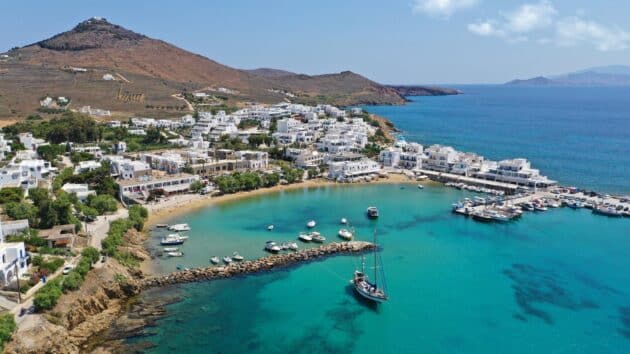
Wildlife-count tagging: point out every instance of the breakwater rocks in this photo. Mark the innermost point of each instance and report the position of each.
(256, 266)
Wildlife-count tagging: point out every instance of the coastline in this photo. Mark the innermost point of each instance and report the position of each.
(186, 203)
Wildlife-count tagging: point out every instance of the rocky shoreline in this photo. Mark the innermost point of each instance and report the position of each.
(110, 310)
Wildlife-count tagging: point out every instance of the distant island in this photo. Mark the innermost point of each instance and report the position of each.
(614, 75)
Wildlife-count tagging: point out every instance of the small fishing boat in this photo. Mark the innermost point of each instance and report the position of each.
(171, 249)
(270, 227)
(179, 227)
(293, 246)
(174, 254)
(372, 212)
(482, 216)
(303, 236)
(227, 260)
(317, 237)
(540, 207)
(237, 257)
(215, 260)
(420, 186)
(345, 234)
(343, 221)
(366, 288)
(311, 224)
(272, 247)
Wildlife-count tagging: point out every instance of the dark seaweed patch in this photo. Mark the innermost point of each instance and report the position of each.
(536, 286)
(624, 315)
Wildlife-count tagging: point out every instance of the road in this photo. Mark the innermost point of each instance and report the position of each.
(98, 229)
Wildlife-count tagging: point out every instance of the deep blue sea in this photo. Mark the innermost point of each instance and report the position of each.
(552, 282)
(577, 135)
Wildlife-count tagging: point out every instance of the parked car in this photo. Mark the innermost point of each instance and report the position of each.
(67, 269)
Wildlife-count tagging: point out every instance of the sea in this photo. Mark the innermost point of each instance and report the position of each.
(550, 282)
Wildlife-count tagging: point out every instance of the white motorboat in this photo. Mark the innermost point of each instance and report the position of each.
(344, 221)
(237, 257)
(293, 246)
(372, 212)
(272, 247)
(227, 260)
(420, 186)
(171, 249)
(174, 254)
(305, 237)
(270, 227)
(172, 240)
(215, 260)
(179, 227)
(345, 234)
(311, 224)
(317, 237)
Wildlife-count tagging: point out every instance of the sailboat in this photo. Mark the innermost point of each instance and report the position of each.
(366, 288)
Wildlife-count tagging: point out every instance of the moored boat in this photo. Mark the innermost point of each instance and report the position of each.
(215, 260)
(303, 236)
(607, 211)
(345, 234)
(161, 226)
(227, 260)
(420, 186)
(270, 227)
(343, 221)
(237, 257)
(171, 249)
(172, 240)
(482, 216)
(174, 254)
(372, 212)
(272, 247)
(366, 288)
(293, 246)
(317, 237)
(179, 227)
(311, 224)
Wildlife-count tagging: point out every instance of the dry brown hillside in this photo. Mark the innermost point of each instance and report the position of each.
(151, 71)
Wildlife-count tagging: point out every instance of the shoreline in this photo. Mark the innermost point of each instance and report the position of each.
(186, 203)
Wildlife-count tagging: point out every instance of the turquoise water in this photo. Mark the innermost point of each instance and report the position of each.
(576, 135)
(550, 282)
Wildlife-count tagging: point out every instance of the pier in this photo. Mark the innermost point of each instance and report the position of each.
(272, 262)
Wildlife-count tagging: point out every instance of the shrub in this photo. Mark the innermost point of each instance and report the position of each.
(72, 281)
(47, 297)
(103, 203)
(52, 265)
(91, 254)
(127, 259)
(83, 267)
(37, 261)
(7, 326)
(11, 194)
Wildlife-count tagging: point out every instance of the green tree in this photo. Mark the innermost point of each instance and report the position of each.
(47, 297)
(11, 194)
(91, 254)
(196, 186)
(103, 203)
(18, 211)
(72, 281)
(50, 152)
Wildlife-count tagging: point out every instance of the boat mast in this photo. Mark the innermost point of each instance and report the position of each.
(375, 262)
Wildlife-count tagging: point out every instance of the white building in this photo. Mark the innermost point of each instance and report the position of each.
(13, 259)
(5, 147)
(517, 171)
(84, 166)
(305, 158)
(176, 183)
(30, 142)
(256, 160)
(80, 189)
(169, 162)
(346, 170)
(439, 158)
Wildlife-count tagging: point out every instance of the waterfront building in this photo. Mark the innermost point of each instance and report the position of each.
(518, 171)
(346, 170)
(439, 158)
(305, 158)
(170, 184)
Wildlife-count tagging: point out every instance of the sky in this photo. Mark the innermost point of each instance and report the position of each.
(394, 42)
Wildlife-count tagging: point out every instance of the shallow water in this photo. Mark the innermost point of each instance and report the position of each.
(550, 282)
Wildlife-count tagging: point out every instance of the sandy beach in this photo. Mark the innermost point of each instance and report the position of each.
(185, 203)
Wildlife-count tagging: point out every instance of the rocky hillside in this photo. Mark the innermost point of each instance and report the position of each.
(151, 71)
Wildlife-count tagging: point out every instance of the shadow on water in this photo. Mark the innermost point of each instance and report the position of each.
(537, 286)
(370, 305)
(624, 314)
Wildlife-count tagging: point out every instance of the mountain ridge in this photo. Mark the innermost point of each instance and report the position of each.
(75, 63)
(612, 75)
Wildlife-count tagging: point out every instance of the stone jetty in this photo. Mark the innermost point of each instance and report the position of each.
(256, 266)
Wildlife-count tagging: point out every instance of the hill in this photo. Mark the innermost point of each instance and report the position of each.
(614, 75)
(107, 66)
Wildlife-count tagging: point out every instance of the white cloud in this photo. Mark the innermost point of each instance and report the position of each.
(486, 28)
(572, 31)
(530, 17)
(441, 8)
